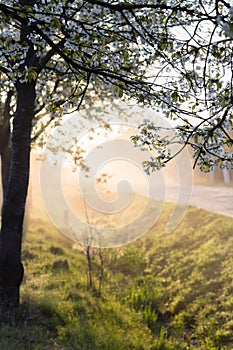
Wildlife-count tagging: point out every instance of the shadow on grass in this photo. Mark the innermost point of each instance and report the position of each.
(31, 326)
(35, 326)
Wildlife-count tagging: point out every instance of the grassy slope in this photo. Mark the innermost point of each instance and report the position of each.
(164, 291)
(192, 270)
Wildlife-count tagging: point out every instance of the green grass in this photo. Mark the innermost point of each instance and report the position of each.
(190, 279)
(163, 292)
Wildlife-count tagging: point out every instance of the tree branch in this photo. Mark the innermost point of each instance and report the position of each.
(158, 6)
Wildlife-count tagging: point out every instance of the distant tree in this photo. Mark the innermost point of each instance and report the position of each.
(172, 55)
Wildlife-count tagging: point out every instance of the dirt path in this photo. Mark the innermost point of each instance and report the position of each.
(216, 199)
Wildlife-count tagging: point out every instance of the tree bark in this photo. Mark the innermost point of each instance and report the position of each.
(5, 143)
(11, 268)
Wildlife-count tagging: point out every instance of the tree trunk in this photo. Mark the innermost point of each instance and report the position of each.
(5, 143)
(11, 268)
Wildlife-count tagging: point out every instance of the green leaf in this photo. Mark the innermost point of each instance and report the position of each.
(55, 23)
(175, 96)
(120, 93)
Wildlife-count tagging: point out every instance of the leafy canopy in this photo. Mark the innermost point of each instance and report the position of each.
(173, 56)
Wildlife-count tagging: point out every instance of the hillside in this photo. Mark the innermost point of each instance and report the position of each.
(165, 291)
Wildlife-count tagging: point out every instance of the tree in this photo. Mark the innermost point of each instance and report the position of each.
(59, 55)
(196, 92)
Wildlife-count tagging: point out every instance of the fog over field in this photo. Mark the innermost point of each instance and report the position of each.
(121, 197)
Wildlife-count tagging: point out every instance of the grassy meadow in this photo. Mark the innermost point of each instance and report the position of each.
(165, 291)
